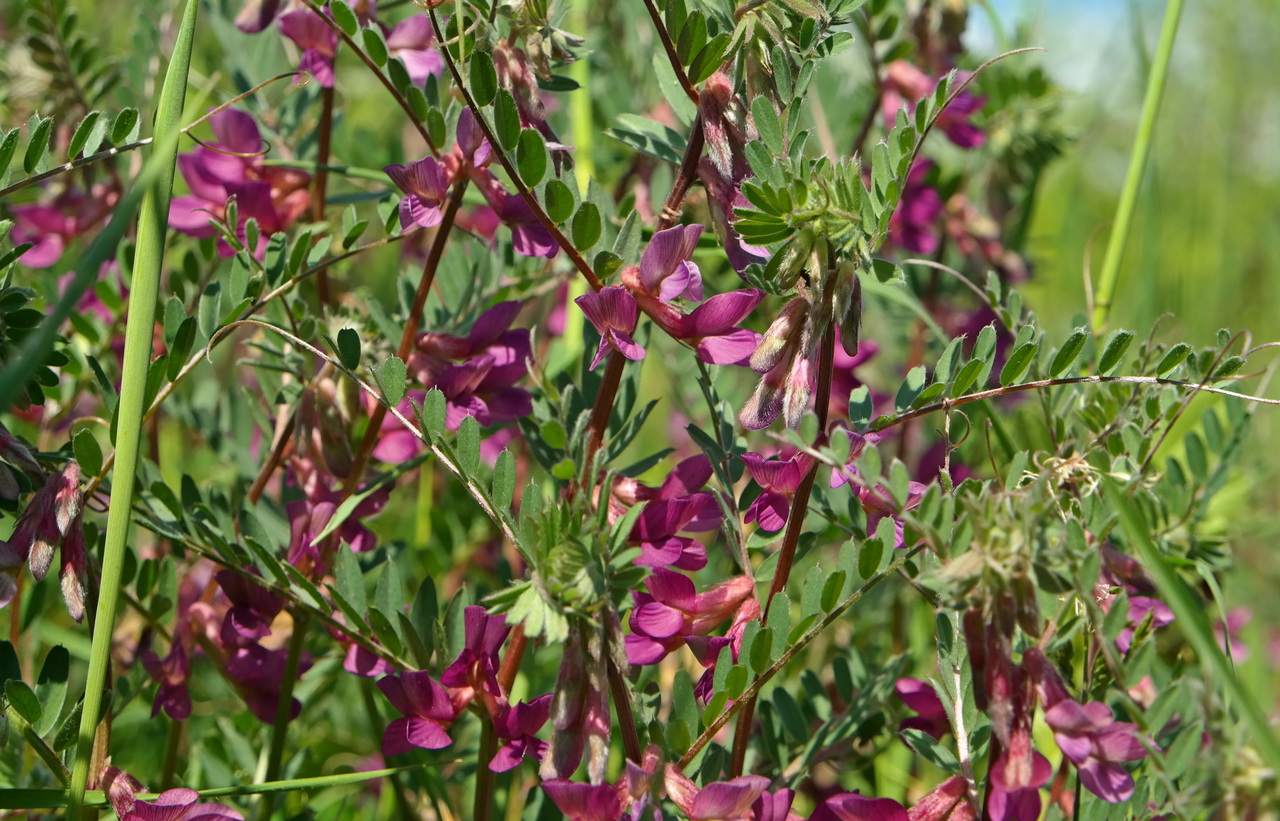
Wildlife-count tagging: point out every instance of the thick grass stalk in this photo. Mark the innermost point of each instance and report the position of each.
(1110, 275)
(145, 284)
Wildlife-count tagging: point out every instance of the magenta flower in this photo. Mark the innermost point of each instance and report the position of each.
(913, 225)
(673, 609)
(775, 806)
(412, 41)
(718, 801)
(310, 515)
(678, 505)
(1140, 609)
(360, 661)
(712, 328)
(427, 711)
(256, 15)
(257, 673)
(477, 665)
(49, 228)
(171, 672)
(931, 716)
(947, 802)
(425, 184)
(854, 807)
(666, 269)
(518, 725)
(780, 478)
(614, 313)
(529, 237)
(273, 196)
(903, 80)
(176, 805)
(584, 802)
(1091, 738)
(318, 42)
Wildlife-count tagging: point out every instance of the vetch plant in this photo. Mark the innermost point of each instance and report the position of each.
(541, 412)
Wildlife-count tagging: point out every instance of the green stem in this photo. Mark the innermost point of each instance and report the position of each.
(1137, 167)
(280, 730)
(172, 740)
(47, 755)
(482, 806)
(145, 286)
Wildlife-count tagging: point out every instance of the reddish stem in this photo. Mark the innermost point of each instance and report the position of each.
(321, 181)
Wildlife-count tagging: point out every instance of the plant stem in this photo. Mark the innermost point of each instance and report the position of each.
(169, 765)
(377, 72)
(602, 409)
(482, 804)
(670, 49)
(1137, 166)
(321, 180)
(145, 286)
(284, 707)
(407, 339)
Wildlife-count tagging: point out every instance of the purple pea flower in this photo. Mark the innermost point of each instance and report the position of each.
(673, 610)
(779, 478)
(180, 804)
(50, 227)
(931, 716)
(53, 520)
(613, 312)
(171, 672)
(273, 196)
(1091, 738)
(712, 328)
(903, 80)
(477, 665)
(913, 225)
(360, 661)
(412, 41)
(776, 806)
(309, 516)
(584, 802)
(318, 42)
(718, 801)
(257, 672)
(678, 505)
(517, 725)
(427, 711)
(425, 184)
(947, 802)
(1140, 609)
(666, 269)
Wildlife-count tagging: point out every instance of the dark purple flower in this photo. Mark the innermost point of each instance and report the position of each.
(50, 227)
(171, 672)
(854, 807)
(931, 717)
(256, 15)
(903, 80)
(667, 270)
(309, 516)
(412, 41)
(718, 801)
(678, 505)
(1142, 608)
(178, 804)
(614, 313)
(272, 195)
(425, 185)
(712, 328)
(1091, 738)
(318, 42)
(529, 237)
(775, 806)
(673, 609)
(427, 711)
(584, 802)
(914, 223)
(477, 665)
(361, 661)
(257, 674)
(779, 478)
(517, 725)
